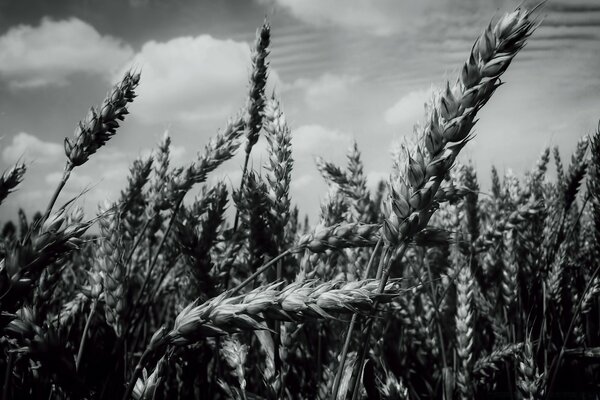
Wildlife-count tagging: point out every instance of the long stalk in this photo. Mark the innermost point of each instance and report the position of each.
(244, 172)
(277, 342)
(561, 354)
(84, 334)
(344, 354)
(438, 317)
(258, 272)
(61, 185)
(384, 274)
(136, 373)
(7, 375)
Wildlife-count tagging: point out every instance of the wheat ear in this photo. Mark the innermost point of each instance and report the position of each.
(10, 179)
(98, 127)
(449, 123)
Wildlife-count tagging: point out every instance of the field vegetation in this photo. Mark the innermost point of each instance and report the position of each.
(425, 288)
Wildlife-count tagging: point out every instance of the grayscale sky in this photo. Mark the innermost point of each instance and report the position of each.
(344, 69)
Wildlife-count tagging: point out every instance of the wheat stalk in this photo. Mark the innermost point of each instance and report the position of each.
(449, 123)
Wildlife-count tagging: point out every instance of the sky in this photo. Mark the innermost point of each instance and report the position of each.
(344, 69)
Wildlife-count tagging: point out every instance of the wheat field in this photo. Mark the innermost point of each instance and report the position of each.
(426, 288)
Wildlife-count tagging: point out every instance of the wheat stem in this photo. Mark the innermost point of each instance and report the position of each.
(237, 210)
(438, 318)
(259, 271)
(84, 335)
(344, 354)
(384, 270)
(61, 185)
(136, 373)
(556, 364)
(7, 375)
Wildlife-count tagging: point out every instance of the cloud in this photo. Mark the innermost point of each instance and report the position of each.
(192, 79)
(409, 109)
(325, 91)
(380, 18)
(317, 139)
(302, 182)
(348, 13)
(30, 148)
(47, 54)
(390, 17)
(375, 177)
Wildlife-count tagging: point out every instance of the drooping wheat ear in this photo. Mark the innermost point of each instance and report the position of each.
(101, 124)
(593, 188)
(235, 353)
(464, 331)
(219, 149)
(113, 271)
(56, 238)
(485, 367)
(449, 123)
(339, 236)
(258, 80)
(280, 165)
(295, 302)
(575, 173)
(529, 381)
(10, 179)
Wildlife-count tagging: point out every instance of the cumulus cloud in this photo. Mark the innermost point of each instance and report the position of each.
(47, 54)
(317, 139)
(30, 148)
(409, 109)
(326, 90)
(191, 79)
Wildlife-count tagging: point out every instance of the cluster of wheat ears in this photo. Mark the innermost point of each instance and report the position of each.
(425, 288)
